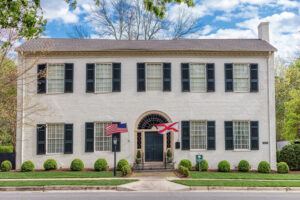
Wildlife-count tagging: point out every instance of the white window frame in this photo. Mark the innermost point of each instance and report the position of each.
(47, 78)
(248, 66)
(102, 122)
(46, 143)
(201, 149)
(146, 75)
(111, 67)
(205, 81)
(249, 136)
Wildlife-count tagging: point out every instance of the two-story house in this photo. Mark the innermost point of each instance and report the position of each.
(221, 91)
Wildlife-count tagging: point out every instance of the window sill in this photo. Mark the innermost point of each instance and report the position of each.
(241, 150)
(197, 150)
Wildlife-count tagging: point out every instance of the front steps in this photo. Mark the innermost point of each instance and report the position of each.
(154, 166)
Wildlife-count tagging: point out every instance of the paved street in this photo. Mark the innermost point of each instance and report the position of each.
(73, 195)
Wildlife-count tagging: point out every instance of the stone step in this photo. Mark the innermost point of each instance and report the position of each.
(154, 166)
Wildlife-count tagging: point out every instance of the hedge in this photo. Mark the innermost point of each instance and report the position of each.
(291, 155)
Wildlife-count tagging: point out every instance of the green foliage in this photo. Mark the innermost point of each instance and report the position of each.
(291, 155)
(138, 159)
(77, 165)
(202, 166)
(244, 166)
(224, 166)
(185, 163)
(169, 153)
(184, 171)
(6, 166)
(264, 167)
(126, 170)
(282, 168)
(101, 165)
(292, 115)
(50, 164)
(27, 166)
(6, 149)
(122, 163)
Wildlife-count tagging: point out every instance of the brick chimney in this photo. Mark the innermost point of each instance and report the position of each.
(263, 31)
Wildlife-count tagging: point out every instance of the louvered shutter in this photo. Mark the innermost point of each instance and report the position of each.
(228, 77)
(185, 77)
(41, 139)
(167, 77)
(89, 137)
(210, 73)
(211, 135)
(116, 80)
(254, 78)
(90, 77)
(254, 131)
(185, 135)
(69, 74)
(41, 78)
(141, 77)
(68, 139)
(228, 135)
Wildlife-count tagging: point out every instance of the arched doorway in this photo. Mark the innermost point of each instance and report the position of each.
(149, 142)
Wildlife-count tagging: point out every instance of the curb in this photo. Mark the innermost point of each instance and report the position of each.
(54, 188)
(220, 188)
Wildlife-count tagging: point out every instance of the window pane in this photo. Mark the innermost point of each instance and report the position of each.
(55, 138)
(241, 134)
(154, 76)
(241, 74)
(198, 77)
(55, 78)
(198, 134)
(103, 77)
(102, 142)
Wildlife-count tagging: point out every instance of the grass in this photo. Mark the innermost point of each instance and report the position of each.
(240, 175)
(239, 183)
(56, 174)
(112, 182)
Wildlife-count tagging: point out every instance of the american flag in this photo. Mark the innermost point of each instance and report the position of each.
(116, 128)
(167, 127)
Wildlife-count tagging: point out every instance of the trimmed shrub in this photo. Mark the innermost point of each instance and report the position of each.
(202, 166)
(291, 155)
(264, 167)
(6, 166)
(282, 168)
(50, 164)
(185, 163)
(126, 170)
(77, 165)
(184, 171)
(224, 166)
(169, 153)
(6, 149)
(122, 163)
(100, 165)
(244, 166)
(138, 159)
(27, 166)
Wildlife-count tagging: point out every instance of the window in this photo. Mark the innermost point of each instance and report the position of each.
(198, 77)
(103, 77)
(198, 134)
(102, 142)
(241, 78)
(55, 138)
(241, 130)
(55, 78)
(154, 76)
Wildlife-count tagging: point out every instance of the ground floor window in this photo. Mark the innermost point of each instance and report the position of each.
(55, 138)
(102, 141)
(198, 134)
(241, 134)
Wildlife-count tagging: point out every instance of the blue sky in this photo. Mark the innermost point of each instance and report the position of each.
(216, 18)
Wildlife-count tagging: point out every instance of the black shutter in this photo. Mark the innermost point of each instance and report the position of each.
(141, 77)
(185, 77)
(228, 135)
(69, 68)
(254, 129)
(41, 139)
(68, 147)
(253, 77)
(89, 137)
(167, 77)
(90, 77)
(116, 80)
(211, 135)
(41, 78)
(185, 135)
(210, 73)
(118, 136)
(228, 77)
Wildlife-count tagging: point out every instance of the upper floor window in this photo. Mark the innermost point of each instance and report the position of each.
(197, 77)
(241, 77)
(198, 134)
(241, 134)
(102, 141)
(154, 76)
(103, 77)
(55, 78)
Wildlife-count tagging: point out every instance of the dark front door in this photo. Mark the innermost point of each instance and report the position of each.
(153, 146)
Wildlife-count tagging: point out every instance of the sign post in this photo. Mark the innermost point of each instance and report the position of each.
(199, 158)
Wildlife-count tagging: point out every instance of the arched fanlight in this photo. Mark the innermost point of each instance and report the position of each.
(150, 120)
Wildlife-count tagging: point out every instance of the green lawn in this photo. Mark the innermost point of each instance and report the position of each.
(111, 182)
(56, 174)
(239, 183)
(239, 175)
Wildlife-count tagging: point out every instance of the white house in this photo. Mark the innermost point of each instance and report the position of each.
(221, 91)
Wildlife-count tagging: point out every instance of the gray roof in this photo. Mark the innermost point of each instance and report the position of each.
(93, 45)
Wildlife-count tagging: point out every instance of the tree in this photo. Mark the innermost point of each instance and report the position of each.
(292, 116)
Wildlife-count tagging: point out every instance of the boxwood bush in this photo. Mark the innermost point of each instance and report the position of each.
(77, 165)
(6, 149)
(126, 170)
(122, 163)
(6, 166)
(27, 166)
(202, 166)
(100, 165)
(224, 166)
(185, 163)
(244, 166)
(264, 167)
(291, 155)
(282, 168)
(50, 164)
(184, 171)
